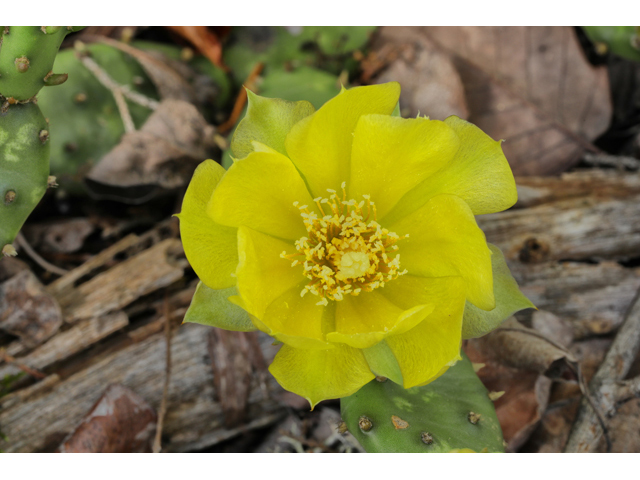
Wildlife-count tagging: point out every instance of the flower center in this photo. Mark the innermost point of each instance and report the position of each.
(345, 252)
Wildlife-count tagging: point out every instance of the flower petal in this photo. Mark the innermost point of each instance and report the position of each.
(424, 351)
(211, 248)
(213, 308)
(479, 174)
(392, 155)
(321, 374)
(444, 240)
(509, 300)
(268, 121)
(320, 144)
(382, 362)
(298, 321)
(258, 192)
(366, 319)
(261, 274)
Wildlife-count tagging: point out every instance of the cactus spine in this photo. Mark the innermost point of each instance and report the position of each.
(26, 58)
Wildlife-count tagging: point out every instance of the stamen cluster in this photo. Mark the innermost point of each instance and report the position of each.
(345, 252)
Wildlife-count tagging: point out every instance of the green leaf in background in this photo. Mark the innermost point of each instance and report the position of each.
(212, 307)
(623, 41)
(452, 412)
(84, 118)
(509, 300)
(304, 83)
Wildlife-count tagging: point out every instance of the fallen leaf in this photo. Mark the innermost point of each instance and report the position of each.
(430, 83)
(121, 421)
(204, 40)
(27, 310)
(64, 236)
(163, 153)
(531, 86)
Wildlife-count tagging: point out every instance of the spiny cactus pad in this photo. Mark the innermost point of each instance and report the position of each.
(26, 59)
(24, 166)
(452, 412)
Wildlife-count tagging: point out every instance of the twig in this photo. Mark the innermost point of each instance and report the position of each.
(604, 160)
(628, 390)
(241, 99)
(49, 267)
(119, 93)
(157, 443)
(28, 370)
(586, 431)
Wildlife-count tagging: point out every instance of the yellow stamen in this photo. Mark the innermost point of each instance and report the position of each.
(344, 252)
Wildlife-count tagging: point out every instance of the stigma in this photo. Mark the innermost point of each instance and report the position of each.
(345, 251)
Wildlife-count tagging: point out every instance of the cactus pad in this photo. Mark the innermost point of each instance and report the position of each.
(24, 167)
(26, 58)
(452, 412)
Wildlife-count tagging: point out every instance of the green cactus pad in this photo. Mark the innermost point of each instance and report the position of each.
(83, 113)
(452, 412)
(26, 58)
(24, 166)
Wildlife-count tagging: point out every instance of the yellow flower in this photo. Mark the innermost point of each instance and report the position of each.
(348, 234)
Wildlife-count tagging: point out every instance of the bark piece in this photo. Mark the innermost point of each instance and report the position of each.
(70, 342)
(121, 421)
(27, 310)
(117, 287)
(194, 418)
(571, 229)
(234, 356)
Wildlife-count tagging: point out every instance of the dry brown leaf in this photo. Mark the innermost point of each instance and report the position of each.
(121, 421)
(27, 310)
(204, 40)
(430, 83)
(525, 399)
(64, 236)
(531, 86)
(164, 152)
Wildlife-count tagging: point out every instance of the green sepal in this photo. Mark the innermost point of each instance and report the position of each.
(437, 418)
(396, 111)
(268, 121)
(212, 307)
(509, 300)
(382, 362)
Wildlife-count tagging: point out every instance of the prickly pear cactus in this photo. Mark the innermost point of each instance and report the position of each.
(26, 58)
(452, 413)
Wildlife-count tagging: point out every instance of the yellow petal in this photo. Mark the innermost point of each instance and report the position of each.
(321, 374)
(261, 274)
(392, 155)
(444, 240)
(211, 248)
(258, 192)
(298, 321)
(479, 174)
(366, 319)
(320, 144)
(424, 351)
